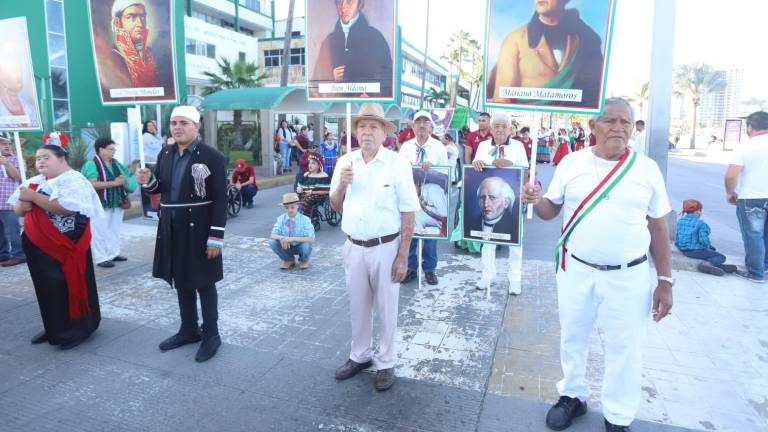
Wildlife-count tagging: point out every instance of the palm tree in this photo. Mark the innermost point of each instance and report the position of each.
(239, 74)
(640, 96)
(439, 97)
(461, 44)
(287, 45)
(697, 80)
(424, 63)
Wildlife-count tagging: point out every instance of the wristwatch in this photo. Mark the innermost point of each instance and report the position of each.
(669, 279)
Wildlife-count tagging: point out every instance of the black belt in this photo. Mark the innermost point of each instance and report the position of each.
(374, 242)
(604, 267)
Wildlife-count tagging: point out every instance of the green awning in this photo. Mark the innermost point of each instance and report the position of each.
(249, 98)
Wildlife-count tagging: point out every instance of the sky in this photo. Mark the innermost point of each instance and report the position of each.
(726, 34)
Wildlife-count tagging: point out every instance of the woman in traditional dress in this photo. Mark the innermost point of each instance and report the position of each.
(563, 146)
(113, 182)
(525, 138)
(57, 206)
(542, 147)
(314, 186)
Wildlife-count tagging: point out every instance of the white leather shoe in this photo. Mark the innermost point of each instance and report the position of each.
(515, 287)
(483, 284)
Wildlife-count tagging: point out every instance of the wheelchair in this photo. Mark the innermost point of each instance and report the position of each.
(234, 200)
(323, 212)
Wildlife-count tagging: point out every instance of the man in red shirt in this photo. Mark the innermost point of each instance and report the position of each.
(475, 138)
(244, 177)
(407, 134)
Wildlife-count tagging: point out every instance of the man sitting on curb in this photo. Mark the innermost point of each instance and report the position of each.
(692, 238)
(293, 234)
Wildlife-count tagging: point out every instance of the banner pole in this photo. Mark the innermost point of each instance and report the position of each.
(418, 264)
(142, 165)
(159, 120)
(349, 127)
(532, 162)
(20, 157)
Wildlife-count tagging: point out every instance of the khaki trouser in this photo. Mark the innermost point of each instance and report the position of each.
(369, 280)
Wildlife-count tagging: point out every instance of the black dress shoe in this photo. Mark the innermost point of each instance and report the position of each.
(106, 264)
(561, 415)
(610, 427)
(350, 369)
(430, 277)
(179, 339)
(409, 276)
(39, 338)
(208, 348)
(384, 379)
(119, 258)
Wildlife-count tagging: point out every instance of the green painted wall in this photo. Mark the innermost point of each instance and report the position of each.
(85, 106)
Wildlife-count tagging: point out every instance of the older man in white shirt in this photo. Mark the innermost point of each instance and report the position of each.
(501, 151)
(423, 151)
(374, 189)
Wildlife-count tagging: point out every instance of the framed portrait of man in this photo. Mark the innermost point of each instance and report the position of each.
(19, 109)
(491, 205)
(547, 55)
(133, 49)
(433, 187)
(351, 47)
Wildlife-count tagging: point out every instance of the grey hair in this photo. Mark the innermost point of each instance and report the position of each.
(501, 116)
(620, 102)
(506, 189)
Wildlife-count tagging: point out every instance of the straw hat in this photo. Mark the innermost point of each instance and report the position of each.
(372, 111)
(289, 198)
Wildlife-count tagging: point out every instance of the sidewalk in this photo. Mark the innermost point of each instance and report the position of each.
(466, 363)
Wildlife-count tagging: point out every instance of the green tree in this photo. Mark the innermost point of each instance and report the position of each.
(697, 80)
(641, 96)
(461, 48)
(439, 97)
(240, 74)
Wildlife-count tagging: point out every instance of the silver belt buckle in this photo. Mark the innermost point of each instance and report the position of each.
(602, 267)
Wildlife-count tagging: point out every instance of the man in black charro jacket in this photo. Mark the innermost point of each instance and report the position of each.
(191, 178)
(354, 52)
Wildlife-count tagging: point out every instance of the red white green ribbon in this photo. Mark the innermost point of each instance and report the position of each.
(497, 152)
(594, 198)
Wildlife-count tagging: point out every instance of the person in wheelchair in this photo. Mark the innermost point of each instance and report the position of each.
(314, 185)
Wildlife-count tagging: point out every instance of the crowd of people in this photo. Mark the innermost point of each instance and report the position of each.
(612, 198)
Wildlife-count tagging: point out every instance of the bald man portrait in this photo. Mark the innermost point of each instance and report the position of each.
(499, 218)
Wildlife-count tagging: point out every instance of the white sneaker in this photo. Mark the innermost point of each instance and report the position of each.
(515, 287)
(483, 284)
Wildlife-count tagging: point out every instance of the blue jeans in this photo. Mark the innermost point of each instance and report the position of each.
(248, 191)
(711, 255)
(753, 218)
(303, 250)
(10, 236)
(285, 153)
(428, 255)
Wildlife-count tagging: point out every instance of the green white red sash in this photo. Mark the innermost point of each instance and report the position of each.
(592, 199)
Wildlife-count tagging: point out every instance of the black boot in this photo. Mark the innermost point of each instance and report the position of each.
(39, 338)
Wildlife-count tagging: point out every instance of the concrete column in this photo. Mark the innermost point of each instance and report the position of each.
(660, 100)
(319, 121)
(268, 128)
(210, 125)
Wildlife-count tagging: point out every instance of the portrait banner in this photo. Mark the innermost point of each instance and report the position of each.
(547, 55)
(350, 50)
(134, 51)
(731, 134)
(433, 187)
(491, 205)
(19, 110)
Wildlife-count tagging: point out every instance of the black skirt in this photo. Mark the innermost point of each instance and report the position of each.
(52, 296)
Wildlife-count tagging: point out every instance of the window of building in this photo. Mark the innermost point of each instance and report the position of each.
(410, 100)
(254, 5)
(296, 33)
(210, 51)
(58, 67)
(241, 56)
(273, 57)
(297, 56)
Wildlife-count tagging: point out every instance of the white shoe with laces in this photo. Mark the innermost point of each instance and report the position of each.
(483, 284)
